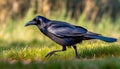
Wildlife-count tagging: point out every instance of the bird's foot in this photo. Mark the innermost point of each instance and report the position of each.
(78, 57)
(50, 54)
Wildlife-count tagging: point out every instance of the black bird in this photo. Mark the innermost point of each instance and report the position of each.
(65, 34)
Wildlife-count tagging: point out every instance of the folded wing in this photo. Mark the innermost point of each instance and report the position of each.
(62, 29)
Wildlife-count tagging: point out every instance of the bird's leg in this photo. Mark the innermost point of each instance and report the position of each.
(76, 53)
(53, 52)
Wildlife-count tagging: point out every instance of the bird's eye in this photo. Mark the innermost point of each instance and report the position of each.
(34, 19)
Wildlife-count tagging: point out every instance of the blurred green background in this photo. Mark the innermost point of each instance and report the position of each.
(25, 47)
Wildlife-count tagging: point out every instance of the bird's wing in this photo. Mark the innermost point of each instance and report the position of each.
(62, 29)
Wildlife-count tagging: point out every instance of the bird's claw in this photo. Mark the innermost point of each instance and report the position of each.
(78, 56)
(50, 54)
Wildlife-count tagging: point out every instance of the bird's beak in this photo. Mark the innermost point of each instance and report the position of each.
(30, 23)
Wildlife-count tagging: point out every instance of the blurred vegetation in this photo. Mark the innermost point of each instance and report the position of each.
(93, 10)
(25, 47)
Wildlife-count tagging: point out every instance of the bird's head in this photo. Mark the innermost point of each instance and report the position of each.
(38, 21)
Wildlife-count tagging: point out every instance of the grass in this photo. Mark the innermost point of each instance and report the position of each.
(25, 47)
(111, 63)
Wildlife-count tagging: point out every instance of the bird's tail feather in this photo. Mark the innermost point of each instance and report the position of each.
(103, 38)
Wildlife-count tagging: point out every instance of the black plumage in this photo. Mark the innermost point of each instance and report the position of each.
(65, 34)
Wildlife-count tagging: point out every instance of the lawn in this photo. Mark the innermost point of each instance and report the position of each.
(25, 47)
